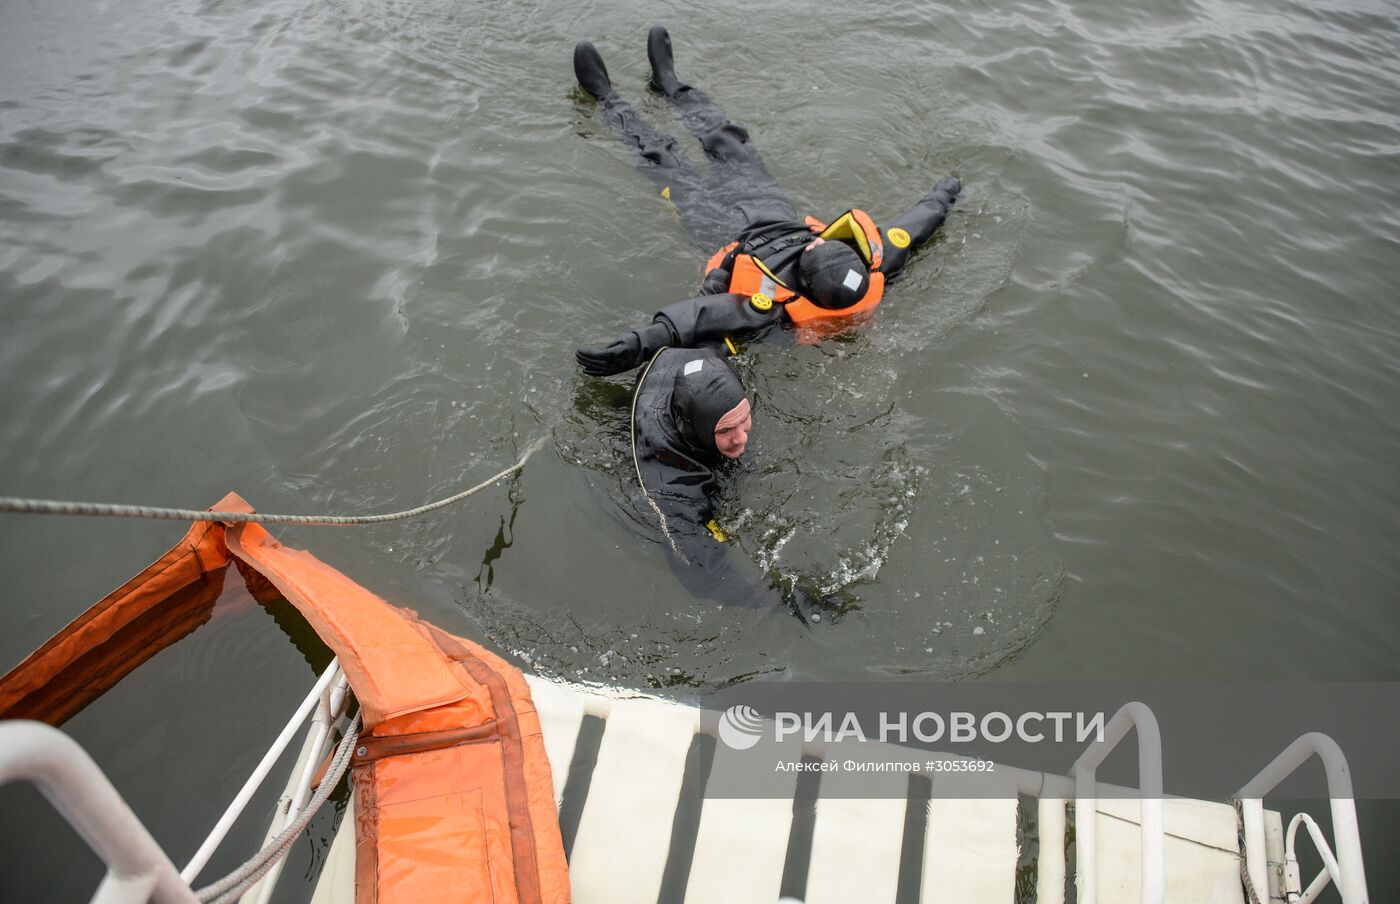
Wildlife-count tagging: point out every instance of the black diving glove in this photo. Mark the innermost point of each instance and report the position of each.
(624, 352)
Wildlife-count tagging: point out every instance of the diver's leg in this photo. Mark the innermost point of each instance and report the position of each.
(722, 139)
(658, 151)
(659, 155)
(741, 175)
(697, 110)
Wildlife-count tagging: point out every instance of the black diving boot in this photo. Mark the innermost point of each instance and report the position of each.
(590, 71)
(663, 64)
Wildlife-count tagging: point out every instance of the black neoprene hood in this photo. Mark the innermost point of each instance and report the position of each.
(833, 275)
(706, 390)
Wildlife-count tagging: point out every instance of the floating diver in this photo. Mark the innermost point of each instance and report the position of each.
(775, 268)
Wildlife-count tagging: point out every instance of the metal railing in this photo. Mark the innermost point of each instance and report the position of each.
(137, 869)
(1086, 805)
(1347, 869)
(320, 741)
(321, 691)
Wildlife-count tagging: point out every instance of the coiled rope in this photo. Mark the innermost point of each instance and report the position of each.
(100, 509)
(231, 887)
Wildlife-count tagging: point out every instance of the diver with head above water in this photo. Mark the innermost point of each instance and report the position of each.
(690, 414)
(774, 268)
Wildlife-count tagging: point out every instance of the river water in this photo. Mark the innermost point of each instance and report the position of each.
(1133, 415)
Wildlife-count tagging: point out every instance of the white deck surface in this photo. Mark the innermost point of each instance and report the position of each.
(970, 851)
(740, 838)
(337, 885)
(1201, 852)
(855, 850)
(969, 854)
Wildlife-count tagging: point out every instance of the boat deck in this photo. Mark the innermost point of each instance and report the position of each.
(629, 778)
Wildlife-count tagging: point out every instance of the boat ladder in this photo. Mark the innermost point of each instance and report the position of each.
(630, 775)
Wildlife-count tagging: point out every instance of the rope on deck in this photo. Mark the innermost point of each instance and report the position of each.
(230, 888)
(101, 509)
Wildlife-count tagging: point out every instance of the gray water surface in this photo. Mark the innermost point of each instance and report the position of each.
(1133, 415)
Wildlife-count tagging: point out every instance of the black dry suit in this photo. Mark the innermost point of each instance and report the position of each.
(680, 397)
(734, 202)
(716, 315)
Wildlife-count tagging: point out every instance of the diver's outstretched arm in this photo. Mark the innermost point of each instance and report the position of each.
(713, 570)
(692, 323)
(918, 225)
(710, 319)
(625, 352)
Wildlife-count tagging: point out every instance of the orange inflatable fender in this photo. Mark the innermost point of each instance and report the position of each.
(453, 790)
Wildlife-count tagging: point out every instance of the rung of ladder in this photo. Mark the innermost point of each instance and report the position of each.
(624, 835)
(561, 713)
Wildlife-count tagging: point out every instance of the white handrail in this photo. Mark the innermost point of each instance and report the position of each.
(1347, 836)
(137, 869)
(1154, 879)
(221, 828)
(1050, 872)
(318, 743)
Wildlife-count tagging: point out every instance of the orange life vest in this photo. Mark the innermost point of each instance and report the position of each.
(750, 277)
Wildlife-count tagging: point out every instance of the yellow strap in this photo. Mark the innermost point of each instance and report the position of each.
(766, 272)
(729, 343)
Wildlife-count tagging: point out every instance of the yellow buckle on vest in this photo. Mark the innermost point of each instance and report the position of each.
(715, 531)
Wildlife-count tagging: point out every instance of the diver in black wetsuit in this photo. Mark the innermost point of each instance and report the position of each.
(779, 268)
(689, 414)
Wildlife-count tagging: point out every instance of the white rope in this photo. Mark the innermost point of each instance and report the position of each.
(231, 887)
(100, 509)
(665, 529)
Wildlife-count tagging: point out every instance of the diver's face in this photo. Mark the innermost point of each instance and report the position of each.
(732, 431)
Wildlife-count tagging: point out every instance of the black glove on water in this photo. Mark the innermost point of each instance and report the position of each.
(615, 357)
(624, 352)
